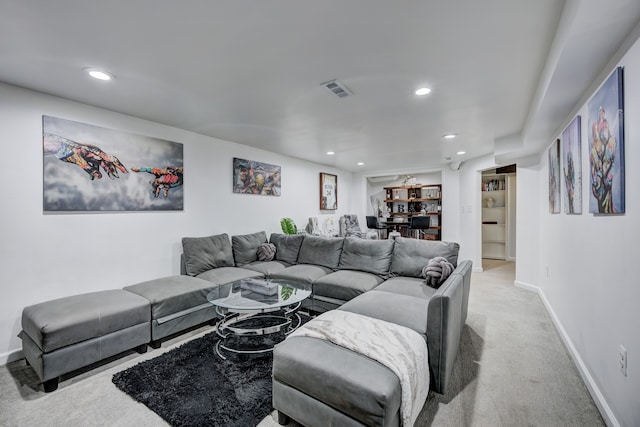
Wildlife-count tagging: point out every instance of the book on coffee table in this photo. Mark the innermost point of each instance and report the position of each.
(260, 286)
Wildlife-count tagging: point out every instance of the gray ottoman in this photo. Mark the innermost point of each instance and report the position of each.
(318, 383)
(66, 334)
(177, 304)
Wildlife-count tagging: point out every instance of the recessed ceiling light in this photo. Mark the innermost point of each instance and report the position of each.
(449, 136)
(423, 91)
(360, 163)
(99, 74)
(460, 153)
(330, 153)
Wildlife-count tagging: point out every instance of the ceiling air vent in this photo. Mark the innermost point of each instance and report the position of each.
(337, 88)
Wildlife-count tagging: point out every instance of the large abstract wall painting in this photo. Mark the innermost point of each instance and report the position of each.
(572, 167)
(554, 177)
(90, 168)
(606, 147)
(250, 177)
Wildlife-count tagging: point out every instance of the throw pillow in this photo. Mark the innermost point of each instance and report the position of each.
(266, 252)
(436, 271)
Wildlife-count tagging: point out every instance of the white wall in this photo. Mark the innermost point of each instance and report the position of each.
(46, 256)
(591, 285)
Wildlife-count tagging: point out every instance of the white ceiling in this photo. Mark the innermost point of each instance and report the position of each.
(503, 73)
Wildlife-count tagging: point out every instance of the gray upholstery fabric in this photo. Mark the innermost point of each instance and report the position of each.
(65, 321)
(313, 413)
(345, 284)
(444, 328)
(411, 286)
(373, 256)
(166, 326)
(287, 246)
(204, 253)
(84, 353)
(224, 275)
(306, 273)
(402, 310)
(245, 247)
(323, 251)
(170, 295)
(267, 268)
(464, 270)
(411, 255)
(332, 373)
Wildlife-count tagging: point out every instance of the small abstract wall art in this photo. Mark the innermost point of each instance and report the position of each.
(606, 147)
(554, 177)
(328, 191)
(572, 167)
(91, 168)
(250, 177)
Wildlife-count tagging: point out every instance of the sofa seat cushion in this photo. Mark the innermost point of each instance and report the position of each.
(400, 309)
(410, 256)
(65, 321)
(204, 253)
(345, 284)
(307, 273)
(224, 275)
(267, 268)
(372, 256)
(328, 373)
(407, 286)
(323, 251)
(170, 295)
(245, 247)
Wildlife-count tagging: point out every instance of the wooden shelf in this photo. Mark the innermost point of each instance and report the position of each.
(494, 218)
(413, 199)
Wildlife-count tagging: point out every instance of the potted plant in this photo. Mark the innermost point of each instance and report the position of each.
(288, 226)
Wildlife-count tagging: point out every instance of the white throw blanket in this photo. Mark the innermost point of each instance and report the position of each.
(400, 349)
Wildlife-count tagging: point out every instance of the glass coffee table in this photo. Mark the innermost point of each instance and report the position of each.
(257, 314)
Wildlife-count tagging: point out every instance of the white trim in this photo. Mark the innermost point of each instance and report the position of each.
(604, 408)
(526, 286)
(477, 269)
(11, 356)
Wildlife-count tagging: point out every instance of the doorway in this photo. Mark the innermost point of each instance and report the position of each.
(498, 209)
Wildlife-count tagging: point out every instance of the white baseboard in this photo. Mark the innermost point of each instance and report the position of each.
(604, 408)
(11, 356)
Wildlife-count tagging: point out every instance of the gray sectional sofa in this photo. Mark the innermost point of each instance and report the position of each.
(376, 278)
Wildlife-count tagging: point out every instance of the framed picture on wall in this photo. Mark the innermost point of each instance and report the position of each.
(606, 147)
(554, 177)
(251, 177)
(91, 168)
(572, 167)
(328, 191)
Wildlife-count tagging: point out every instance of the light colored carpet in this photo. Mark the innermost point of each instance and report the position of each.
(512, 370)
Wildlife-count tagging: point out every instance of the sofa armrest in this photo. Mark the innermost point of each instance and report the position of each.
(183, 265)
(444, 328)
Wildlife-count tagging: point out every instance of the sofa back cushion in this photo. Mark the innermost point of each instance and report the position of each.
(372, 256)
(245, 247)
(411, 255)
(324, 251)
(287, 246)
(205, 253)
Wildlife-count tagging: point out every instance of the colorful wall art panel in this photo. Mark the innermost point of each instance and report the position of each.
(606, 147)
(90, 168)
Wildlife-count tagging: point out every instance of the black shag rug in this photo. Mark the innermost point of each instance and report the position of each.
(192, 386)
